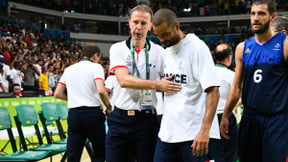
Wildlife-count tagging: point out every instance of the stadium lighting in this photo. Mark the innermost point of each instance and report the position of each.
(187, 9)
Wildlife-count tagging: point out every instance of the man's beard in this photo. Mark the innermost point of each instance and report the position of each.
(174, 40)
(263, 28)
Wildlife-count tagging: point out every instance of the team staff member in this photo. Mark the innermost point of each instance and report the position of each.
(84, 83)
(223, 58)
(137, 64)
(188, 123)
(280, 24)
(261, 75)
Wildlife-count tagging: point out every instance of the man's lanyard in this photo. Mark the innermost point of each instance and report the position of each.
(147, 60)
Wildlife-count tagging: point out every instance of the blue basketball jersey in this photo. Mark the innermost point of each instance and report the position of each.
(265, 76)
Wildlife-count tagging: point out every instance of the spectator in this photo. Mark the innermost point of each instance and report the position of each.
(16, 74)
(7, 53)
(51, 79)
(17, 90)
(29, 76)
(43, 82)
(38, 70)
(1, 79)
(6, 79)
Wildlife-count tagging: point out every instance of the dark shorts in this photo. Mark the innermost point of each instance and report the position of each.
(131, 135)
(182, 152)
(263, 138)
(230, 147)
(86, 123)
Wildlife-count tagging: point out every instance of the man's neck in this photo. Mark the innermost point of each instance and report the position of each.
(89, 59)
(264, 37)
(182, 35)
(139, 43)
(222, 64)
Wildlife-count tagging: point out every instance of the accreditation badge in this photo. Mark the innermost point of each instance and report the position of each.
(146, 99)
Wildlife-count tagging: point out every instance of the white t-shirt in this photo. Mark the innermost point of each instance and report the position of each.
(191, 63)
(226, 78)
(1, 80)
(79, 81)
(5, 75)
(16, 76)
(120, 56)
(38, 68)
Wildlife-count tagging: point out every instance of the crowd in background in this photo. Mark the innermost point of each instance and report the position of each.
(181, 7)
(29, 53)
(32, 59)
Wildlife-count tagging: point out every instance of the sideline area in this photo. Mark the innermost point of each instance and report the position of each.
(10, 103)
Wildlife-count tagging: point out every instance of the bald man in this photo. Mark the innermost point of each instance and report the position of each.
(223, 58)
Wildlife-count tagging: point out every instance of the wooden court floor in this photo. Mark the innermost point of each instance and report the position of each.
(84, 158)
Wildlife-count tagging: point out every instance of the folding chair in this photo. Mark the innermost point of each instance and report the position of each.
(62, 112)
(5, 124)
(27, 116)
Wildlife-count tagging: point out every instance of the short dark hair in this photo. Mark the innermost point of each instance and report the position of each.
(15, 85)
(49, 65)
(164, 15)
(90, 50)
(16, 64)
(271, 4)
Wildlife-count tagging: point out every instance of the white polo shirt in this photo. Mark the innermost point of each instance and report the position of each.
(191, 63)
(226, 78)
(120, 56)
(16, 76)
(79, 81)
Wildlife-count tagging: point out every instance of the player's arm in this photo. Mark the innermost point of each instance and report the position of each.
(286, 48)
(201, 141)
(60, 91)
(234, 93)
(129, 81)
(103, 93)
(211, 106)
